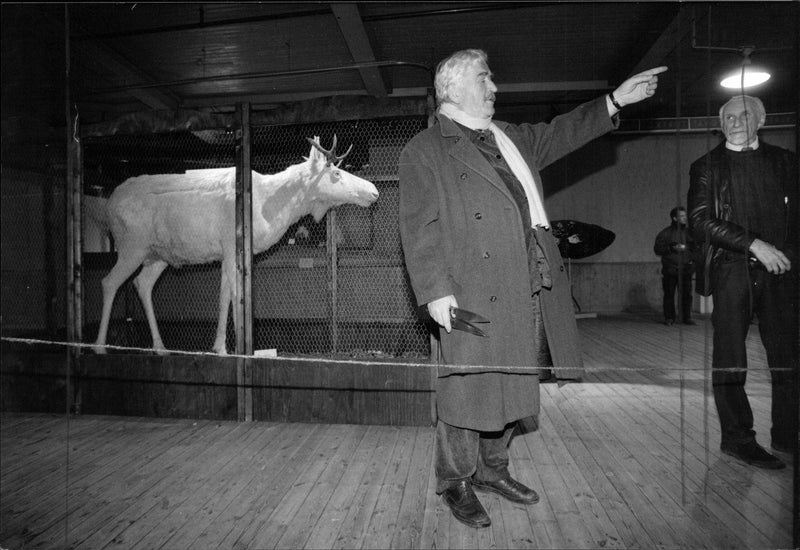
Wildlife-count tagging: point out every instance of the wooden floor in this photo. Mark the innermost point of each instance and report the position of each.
(629, 458)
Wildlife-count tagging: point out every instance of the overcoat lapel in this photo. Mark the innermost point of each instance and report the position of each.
(466, 153)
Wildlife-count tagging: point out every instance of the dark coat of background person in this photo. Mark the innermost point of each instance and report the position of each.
(490, 275)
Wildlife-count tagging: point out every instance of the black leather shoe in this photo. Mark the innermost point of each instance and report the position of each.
(509, 488)
(465, 505)
(787, 449)
(754, 454)
(669, 322)
(689, 322)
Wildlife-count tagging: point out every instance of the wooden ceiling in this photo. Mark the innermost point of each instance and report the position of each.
(547, 56)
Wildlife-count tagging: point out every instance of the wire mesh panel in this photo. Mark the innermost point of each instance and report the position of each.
(34, 236)
(336, 285)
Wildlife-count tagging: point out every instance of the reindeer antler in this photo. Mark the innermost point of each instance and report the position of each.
(331, 154)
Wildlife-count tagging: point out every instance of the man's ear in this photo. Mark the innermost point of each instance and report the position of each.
(455, 92)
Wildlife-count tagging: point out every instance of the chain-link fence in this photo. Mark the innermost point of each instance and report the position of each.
(337, 286)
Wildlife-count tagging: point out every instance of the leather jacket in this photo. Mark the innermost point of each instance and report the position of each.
(710, 208)
(672, 260)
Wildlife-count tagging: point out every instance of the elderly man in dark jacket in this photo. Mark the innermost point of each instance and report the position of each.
(743, 205)
(475, 236)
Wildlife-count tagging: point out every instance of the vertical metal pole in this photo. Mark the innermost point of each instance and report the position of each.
(73, 263)
(243, 304)
(430, 107)
(70, 320)
(333, 248)
(795, 379)
(73, 245)
(681, 268)
(52, 263)
(77, 233)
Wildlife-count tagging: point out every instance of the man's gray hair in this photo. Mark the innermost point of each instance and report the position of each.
(756, 103)
(452, 68)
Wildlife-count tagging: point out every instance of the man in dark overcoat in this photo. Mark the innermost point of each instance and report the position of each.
(475, 236)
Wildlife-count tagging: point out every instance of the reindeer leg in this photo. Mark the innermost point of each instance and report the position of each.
(124, 268)
(226, 292)
(144, 283)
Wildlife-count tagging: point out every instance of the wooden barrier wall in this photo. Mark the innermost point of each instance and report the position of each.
(204, 387)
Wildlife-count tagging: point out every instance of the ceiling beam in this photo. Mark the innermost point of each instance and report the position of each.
(420, 91)
(125, 71)
(354, 33)
(283, 98)
(667, 41)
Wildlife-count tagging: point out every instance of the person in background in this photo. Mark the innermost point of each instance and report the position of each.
(742, 204)
(475, 236)
(676, 247)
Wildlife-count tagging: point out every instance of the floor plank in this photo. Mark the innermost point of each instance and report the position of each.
(297, 529)
(326, 530)
(271, 470)
(355, 525)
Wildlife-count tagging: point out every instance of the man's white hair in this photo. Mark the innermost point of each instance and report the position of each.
(451, 69)
(757, 105)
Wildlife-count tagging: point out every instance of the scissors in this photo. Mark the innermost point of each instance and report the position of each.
(463, 320)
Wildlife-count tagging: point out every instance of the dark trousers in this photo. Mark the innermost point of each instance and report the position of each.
(740, 293)
(671, 283)
(462, 453)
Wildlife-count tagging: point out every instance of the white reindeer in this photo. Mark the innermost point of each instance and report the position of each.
(178, 219)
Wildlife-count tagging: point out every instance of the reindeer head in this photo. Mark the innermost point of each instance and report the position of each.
(333, 185)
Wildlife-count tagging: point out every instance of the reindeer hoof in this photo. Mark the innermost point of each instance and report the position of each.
(99, 349)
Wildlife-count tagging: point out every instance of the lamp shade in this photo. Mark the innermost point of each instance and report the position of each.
(752, 77)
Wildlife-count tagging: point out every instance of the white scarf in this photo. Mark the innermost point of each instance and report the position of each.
(511, 155)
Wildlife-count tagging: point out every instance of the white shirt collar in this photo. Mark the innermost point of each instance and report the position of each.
(753, 145)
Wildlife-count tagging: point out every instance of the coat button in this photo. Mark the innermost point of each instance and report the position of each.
(493, 298)
(486, 255)
(562, 268)
(478, 215)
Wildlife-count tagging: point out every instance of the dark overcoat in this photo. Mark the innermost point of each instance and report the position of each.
(462, 234)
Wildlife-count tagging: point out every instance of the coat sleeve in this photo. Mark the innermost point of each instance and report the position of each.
(566, 133)
(424, 240)
(662, 245)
